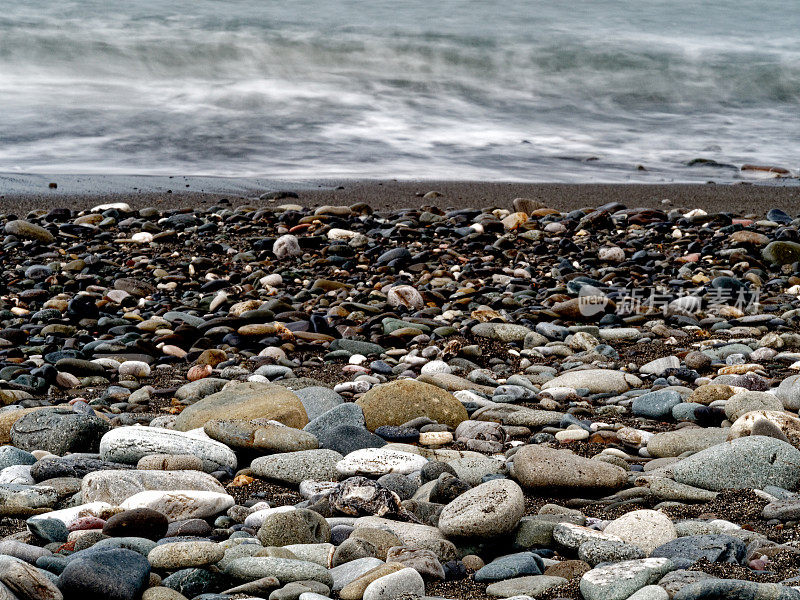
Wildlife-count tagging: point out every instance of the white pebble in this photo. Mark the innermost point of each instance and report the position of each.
(134, 368)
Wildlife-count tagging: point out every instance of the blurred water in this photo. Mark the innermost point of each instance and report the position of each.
(504, 90)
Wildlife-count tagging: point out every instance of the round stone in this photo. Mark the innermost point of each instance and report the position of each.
(490, 509)
(400, 401)
(646, 529)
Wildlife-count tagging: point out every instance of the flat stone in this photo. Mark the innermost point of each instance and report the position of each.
(27, 552)
(285, 570)
(745, 402)
(595, 551)
(510, 566)
(539, 467)
(503, 332)
(782, 509)
(379, 461)
(11, 456)
(318, 400)
(245, 401)
(350, 571)
(116, 486)
(139, 522)
(572, 536)
(26, 230)
(714, 548)
(408, 533)
(58, 431)
(260, 435)
(181, 505)
(72, 465)
(656, 405)
(781, 252)
(689, 439)
(422, 560)
(299, 526)
(345, 439)
(23, 581)
(181, 555)
(659, 365)
(532, 586)
(789, 392)
(355, 589)
(129, 444)
(294, 467)
(597, 381)
(343, 414)
(619, 581)
(748, 462)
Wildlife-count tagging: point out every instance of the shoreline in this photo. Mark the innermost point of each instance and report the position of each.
(742, 198)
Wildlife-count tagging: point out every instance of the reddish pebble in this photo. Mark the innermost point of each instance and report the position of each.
(82, 523)
(758, 565)
(199, 372)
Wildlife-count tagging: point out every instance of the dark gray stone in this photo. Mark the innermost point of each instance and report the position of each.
(511, 565)
(115, 574)
(714, 548)
(58, 430)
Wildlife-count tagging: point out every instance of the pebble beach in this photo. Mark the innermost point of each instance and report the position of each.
(391, 391)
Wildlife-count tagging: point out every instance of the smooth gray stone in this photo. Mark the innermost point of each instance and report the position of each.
(318, 400)
(748, 462)
(734, 589)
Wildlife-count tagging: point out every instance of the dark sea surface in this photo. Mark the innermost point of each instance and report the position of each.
(584, 91)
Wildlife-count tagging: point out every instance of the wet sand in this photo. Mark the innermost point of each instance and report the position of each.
(742, 197)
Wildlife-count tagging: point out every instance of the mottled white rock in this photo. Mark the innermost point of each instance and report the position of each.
(379, 461)
(120, 206)
(611, 254)
(181, 505)
(19, 474)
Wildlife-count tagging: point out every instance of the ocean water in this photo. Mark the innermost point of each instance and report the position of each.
(536, 90)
